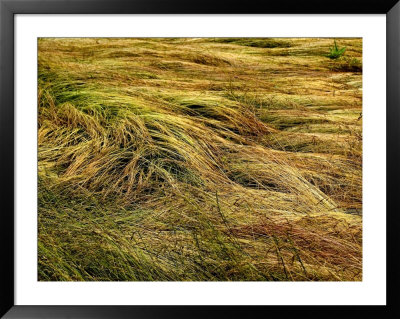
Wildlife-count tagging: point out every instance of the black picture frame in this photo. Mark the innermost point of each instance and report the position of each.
(9, 8)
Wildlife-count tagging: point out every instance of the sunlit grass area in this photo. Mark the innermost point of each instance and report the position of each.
(207, 159)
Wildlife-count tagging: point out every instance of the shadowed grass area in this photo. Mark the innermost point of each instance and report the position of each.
(207, 159)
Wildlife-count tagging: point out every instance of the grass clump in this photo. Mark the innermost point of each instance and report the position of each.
(336, 52)
(198, 160)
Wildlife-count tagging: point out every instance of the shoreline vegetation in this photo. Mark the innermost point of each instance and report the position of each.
(199, 159)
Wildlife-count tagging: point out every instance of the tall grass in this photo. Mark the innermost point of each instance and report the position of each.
(198, 159)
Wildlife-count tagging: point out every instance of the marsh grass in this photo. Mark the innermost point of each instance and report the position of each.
(198, 159)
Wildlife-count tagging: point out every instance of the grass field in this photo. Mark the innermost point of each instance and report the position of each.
(208, 159)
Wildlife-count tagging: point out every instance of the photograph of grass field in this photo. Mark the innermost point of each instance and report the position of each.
(199, 159)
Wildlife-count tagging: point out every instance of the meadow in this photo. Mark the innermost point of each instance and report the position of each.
(199, 159)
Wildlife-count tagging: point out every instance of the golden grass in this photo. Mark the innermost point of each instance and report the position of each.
(199, 159)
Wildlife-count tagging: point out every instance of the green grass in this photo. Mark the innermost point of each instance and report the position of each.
(336, 52)
(211, 159)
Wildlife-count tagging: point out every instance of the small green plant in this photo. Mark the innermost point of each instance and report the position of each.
(335, 52)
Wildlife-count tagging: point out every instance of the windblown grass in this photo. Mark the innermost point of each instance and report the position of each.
(199, 159)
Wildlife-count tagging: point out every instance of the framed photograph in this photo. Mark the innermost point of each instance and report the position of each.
(165, 158)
